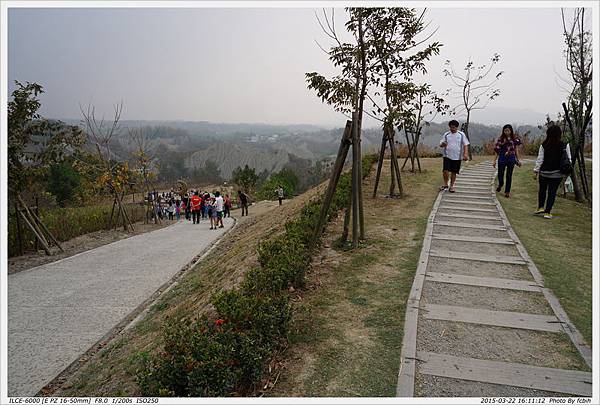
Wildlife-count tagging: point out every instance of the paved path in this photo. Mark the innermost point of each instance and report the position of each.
(479, 321)
(57, 311)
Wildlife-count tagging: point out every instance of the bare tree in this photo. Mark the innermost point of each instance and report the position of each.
(475, 88)
(145, 156)
(114, 174)
(426, 106)
(578, 109)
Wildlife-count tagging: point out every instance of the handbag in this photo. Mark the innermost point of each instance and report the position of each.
(566, 167)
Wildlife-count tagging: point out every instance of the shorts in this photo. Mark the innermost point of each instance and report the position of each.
(452, 166)
(212, 213)
(219, 214)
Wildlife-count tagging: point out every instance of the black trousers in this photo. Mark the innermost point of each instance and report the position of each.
(244, 208)
(196, 216)
(509, 167)
(280, 200)
(548, 187)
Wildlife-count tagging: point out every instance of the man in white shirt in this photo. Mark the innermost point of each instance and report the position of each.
(219, 205)
(456, 146)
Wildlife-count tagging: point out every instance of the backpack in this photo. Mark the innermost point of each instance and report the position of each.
(566, 167)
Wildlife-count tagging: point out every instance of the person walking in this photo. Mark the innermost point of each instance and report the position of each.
(548, 169)
(195, 202)
(227, 211)
(219, 207)
(455, 145)
(243, 199)
(280, 194)
(507, 156)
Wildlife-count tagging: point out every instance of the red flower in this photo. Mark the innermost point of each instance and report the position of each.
(219, 322)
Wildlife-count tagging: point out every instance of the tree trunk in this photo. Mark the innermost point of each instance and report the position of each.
(379, 164)
(467, 134)
(355, 180)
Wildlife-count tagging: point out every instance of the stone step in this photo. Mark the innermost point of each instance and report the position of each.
(473, 226)
(478, 257)
(460, 208)
(518, 320)
(492, 282)
(464, 200)
(475, 239)
(499, 372)
(470, 216)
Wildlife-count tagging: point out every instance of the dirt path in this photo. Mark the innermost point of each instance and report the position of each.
(479, 320)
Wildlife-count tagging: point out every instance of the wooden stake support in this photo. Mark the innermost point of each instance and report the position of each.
(388, 137)
(333, 181)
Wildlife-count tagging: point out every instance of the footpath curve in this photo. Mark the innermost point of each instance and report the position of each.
(479, 321)
(57, 311)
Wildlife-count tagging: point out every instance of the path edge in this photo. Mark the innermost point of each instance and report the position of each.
(408, 357)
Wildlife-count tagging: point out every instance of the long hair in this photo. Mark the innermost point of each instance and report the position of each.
(553, 137)
(512, 133)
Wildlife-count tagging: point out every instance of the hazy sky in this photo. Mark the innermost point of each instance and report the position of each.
(248, 65)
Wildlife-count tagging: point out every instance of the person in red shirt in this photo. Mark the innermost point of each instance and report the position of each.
(196, 202)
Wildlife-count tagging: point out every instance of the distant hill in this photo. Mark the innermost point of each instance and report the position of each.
(182, 146)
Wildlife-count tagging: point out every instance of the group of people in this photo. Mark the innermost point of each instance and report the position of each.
(548, 168)
(196, 206)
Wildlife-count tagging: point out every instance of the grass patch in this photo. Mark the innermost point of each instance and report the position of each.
(561, 247)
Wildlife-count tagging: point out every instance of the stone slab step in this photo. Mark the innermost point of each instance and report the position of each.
(474, 192)
(477, 257)
(492, 282)
(518, 320)
(472, 226)
(462, 208)
(465, 200)
(504, 373)
(463, 195)
(470, 216)
(476, 239)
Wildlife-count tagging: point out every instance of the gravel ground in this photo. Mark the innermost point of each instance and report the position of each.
(536, 348)
(474, 247)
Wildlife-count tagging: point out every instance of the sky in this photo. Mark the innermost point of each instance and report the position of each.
(248, 65)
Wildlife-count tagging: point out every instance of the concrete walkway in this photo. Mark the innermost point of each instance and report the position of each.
(479, 321)
(57, 311)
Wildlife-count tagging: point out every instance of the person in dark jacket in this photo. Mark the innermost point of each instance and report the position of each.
(507, 152)
(547, 168)
(243, 199)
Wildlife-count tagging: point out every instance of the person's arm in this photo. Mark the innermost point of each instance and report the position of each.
(539, 161)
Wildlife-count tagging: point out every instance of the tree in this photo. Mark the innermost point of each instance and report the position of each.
(246, 178)
(209, 173)
(393, 34)
(114, 176)
(426, 107)
(474, 88)
(346, 92)
(63, 181)
(144, 157)
(53, 139)
(578, 109)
